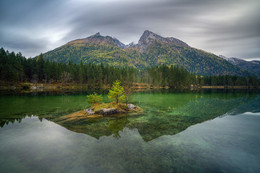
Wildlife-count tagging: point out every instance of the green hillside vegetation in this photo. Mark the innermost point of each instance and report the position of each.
(98, 49)
(14, 68)
(194, 60)
(91, 53)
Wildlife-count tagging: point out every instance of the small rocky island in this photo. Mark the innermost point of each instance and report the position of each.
(116, 108)
(110, 110)
(101, 110)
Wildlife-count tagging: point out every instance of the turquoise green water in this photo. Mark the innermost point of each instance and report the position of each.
(177, 132)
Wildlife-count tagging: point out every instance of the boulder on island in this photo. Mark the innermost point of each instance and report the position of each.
(109, 111)
(90, 111)
(131, 106)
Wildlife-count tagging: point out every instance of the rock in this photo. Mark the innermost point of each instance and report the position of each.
(99, 111)
(131, 106)
(121, 111)
(89, 111)
(109, 111)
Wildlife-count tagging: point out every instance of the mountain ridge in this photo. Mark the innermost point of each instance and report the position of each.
(149, 36)
(98, 38)
(251, 66)
(151, 50)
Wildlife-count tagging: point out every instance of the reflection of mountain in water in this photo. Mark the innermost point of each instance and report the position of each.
(6, 121)
(252, 105)
(228, 144)
(157, 122)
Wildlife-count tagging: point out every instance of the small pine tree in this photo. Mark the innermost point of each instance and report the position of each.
(117, 92)
(94, 98)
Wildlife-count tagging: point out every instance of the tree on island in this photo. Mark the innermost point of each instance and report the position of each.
(117, 92)
(94, 98)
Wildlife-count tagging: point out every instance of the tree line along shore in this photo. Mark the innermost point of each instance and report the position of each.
(18, 72)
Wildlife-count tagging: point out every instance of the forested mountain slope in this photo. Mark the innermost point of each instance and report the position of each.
(151, 50)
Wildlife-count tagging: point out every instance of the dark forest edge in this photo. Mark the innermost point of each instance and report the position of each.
(16, 71)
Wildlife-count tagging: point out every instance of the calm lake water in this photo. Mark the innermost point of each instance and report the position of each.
(177, 132)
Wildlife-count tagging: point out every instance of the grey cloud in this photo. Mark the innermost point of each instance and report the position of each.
(20, 43)
(229, 27)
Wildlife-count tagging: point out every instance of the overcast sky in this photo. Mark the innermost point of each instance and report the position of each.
(223, 27)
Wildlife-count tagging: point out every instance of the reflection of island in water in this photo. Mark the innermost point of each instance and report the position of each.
(136, 143)
(164, 113)
(155, 122)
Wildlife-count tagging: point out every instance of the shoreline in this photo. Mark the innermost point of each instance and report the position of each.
(28, 87)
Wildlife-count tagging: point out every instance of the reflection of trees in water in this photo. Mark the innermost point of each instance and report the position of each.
(252, 105)
(4, 121)
(116, 125)
(165, 119)
(155, 123)
(211, 107)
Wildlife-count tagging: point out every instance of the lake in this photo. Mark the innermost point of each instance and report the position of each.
(209, 131)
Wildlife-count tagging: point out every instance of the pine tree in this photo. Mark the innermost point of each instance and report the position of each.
(117, 92)
(94, 98)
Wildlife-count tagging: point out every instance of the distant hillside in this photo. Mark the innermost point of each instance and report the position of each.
(151, 50)
(251, 66)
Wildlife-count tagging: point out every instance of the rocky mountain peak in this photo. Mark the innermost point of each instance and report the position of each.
(99, 39)
(96, 35)
(149, 37)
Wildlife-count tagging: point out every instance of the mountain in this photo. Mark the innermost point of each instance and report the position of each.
(151, 50)
(251, 66)
(149, 38)
(98, 39)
